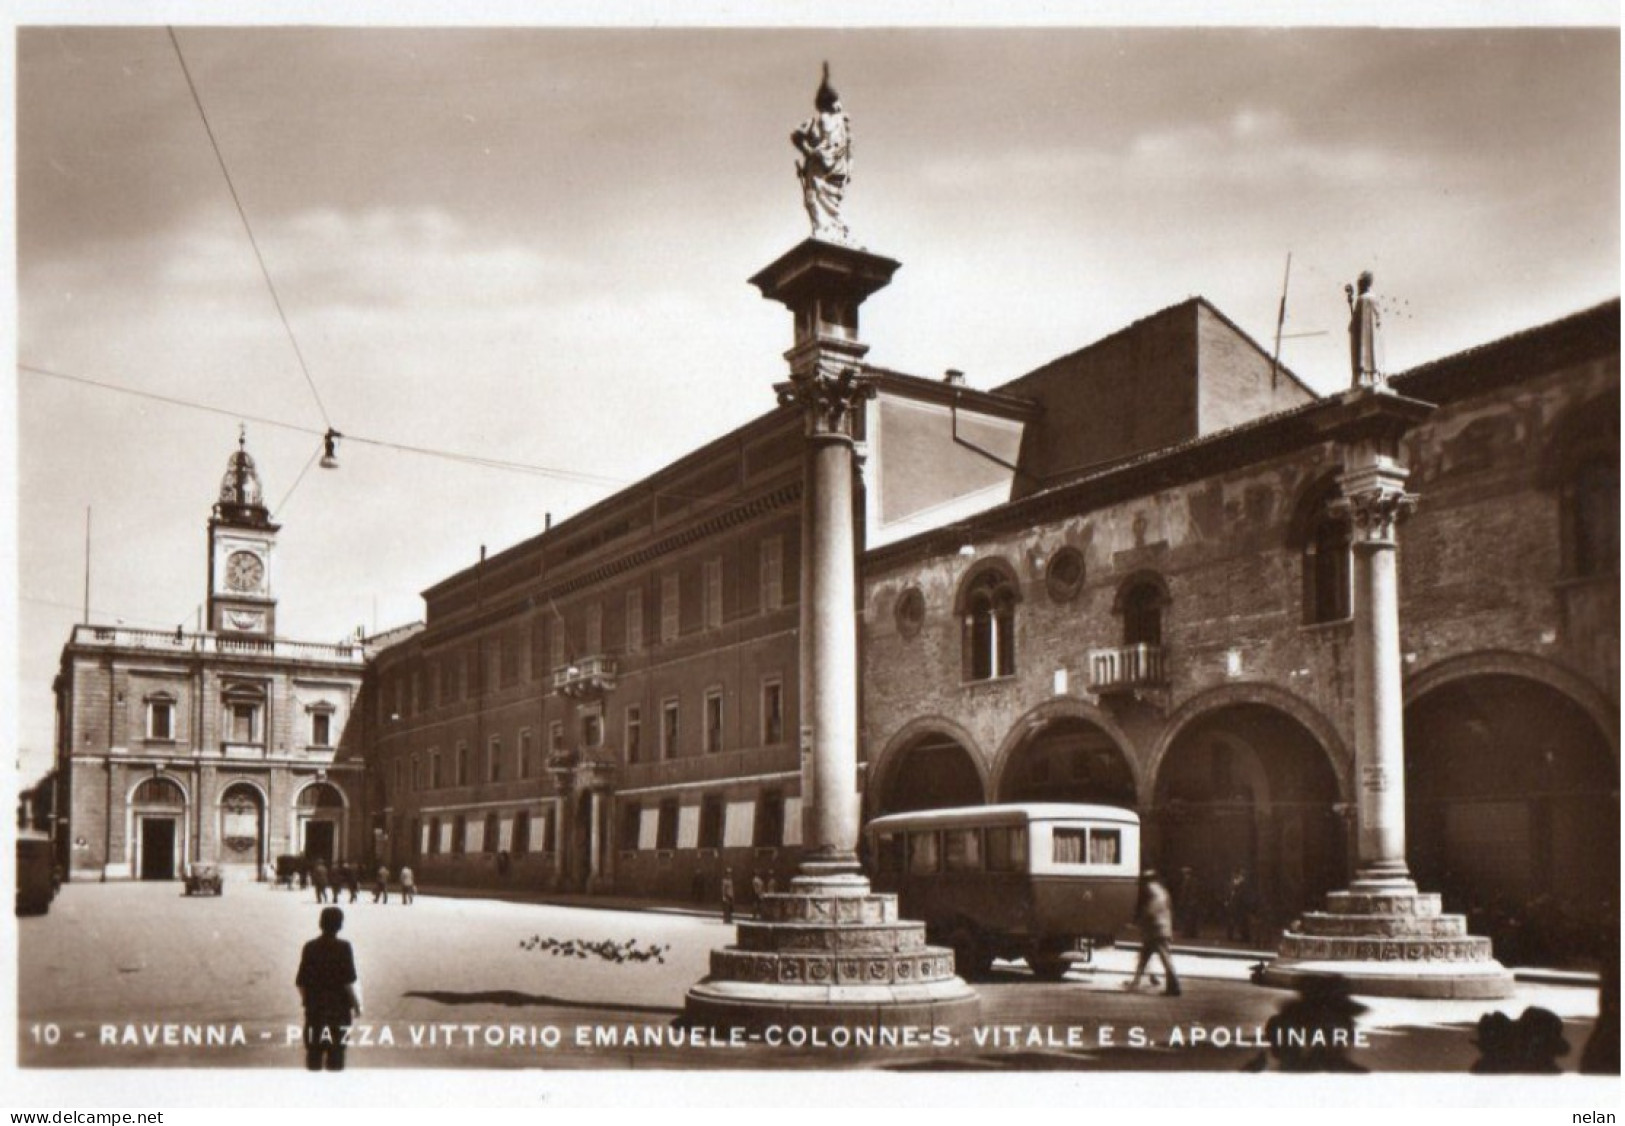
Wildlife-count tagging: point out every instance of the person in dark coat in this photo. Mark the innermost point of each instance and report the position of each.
(727, 889)
(1155, 918)
(380, 887)
(318, 879)
(328, 991)
(352, 882)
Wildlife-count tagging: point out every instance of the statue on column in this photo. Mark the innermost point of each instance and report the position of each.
(825, 143)
(1365, 317)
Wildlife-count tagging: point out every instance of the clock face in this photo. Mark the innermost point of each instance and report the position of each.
(244, 571)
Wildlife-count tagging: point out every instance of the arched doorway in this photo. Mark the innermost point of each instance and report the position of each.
(1512, 811)
(242, 831)
(158, 815)
(1068, 759)
(934, 771)
(1247, 790)
(320, 815)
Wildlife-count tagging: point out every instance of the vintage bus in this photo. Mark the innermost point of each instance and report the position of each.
(1044, 882)
(36, 875)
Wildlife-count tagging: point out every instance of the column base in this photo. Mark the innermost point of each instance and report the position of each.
(1385, 938)
(831, 953)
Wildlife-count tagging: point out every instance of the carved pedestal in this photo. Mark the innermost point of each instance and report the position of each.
(1393, 942)
(831, 953)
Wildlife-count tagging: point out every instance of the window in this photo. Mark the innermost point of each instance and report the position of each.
(1105, 846)
(525, 750)
(1326, 579)
(668, 609)
(668, 729)
(1088, 846)
(245, 723)
(772, 569)
(713, 720)
(922, 853)
(962, 850)
(521, 833)
(631, 825)
(555, 737)
(417, 774)
(713, 816)
(434, 770)
(592, 730)
(666, 828)
(772, 712)
(634, 734)
(990, 625)
(493, 833)
(1593, 501)
(321, 725)
(161, 717)
(493, 760)
(1141, 604)
(595, 628)
(713, 594)
(400, 777)
(462, 764)
(459, 835)
(434, 836)
(768, 832)
(1070, 845)
(159, 791)
(634, 620)
(1007, 849)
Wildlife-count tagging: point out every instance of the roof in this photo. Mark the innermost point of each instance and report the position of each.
(1586, 335)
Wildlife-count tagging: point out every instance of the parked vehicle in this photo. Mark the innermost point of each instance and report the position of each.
(1043, 882)
(204, 879)
(36, 873)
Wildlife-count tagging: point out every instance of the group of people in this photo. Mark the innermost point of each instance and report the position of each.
(760, 885)
(346, 877)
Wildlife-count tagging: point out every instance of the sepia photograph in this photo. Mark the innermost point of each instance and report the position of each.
(571, 557)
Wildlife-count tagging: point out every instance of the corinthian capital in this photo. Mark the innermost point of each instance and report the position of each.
(827, 401)
(1374, 504)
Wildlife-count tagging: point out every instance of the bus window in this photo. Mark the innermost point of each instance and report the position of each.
(922, 853)
(1105, 846)
(962, 850)
(1007, 849)
(889, 852)
(1069, 845)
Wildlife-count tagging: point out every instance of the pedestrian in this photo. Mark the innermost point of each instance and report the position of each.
(352, 882)
(757, 887)
(727, 888)
(409, 889)
(1154, 916)
(1240, 901)
(304, 874)
(380, 888)
(1188, 902)
(318, 880)
(329, 991)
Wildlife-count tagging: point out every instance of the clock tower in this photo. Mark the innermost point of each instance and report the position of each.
(241, 537)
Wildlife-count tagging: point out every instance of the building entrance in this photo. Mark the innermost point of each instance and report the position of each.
(158, 848)
(319, 841)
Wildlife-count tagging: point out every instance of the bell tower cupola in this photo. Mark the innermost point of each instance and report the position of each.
(241, 538)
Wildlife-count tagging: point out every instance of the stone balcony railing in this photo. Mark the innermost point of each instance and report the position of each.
(1127, 668)
(590, 676)
(178, 642)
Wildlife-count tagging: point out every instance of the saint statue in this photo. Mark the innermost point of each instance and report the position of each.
(1365, 317)
(825, 143)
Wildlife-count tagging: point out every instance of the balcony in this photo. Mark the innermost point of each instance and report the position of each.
(1128, 669)
(588, 677)
(176, 641)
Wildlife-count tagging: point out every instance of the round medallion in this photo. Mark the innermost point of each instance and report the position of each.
(1063, 578)
(910, 612)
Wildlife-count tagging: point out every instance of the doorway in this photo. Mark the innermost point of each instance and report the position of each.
(158, 848)
(319, 841)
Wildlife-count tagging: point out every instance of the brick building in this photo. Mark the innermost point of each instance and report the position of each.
(1169, 629)
(219, 747)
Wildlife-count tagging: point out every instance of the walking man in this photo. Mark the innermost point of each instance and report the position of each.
(409, 889)
(329, 993)
(1155, 918)
(318, 879)
(728, 895)
(380, 889)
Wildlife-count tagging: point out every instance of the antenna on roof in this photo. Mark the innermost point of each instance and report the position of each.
(1280, 323)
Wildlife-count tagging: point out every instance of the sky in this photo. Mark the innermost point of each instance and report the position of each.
(531, 246)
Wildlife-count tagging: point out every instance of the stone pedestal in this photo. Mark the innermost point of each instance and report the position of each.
(829, 954)
(1382, 935)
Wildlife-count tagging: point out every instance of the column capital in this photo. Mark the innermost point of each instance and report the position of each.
(827, 399)
(1374, 500)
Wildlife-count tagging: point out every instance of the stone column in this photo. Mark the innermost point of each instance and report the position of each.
(592, 838)
(1382, 935)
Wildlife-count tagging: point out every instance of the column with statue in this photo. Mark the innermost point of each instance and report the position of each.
(828, 951)
(1382, 935)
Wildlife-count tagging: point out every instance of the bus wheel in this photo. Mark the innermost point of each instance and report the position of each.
(972, 960)
(1047, 963)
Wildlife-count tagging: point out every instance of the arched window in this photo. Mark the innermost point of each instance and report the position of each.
(989, 609)
(1141, 604)
(159, 791)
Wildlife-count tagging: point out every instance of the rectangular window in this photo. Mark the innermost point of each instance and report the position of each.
(160, 720)
(713, 720)
(1007, 849)
(668, 609)
(417, 774)
(922, 854)
(772, 712)
(713, 594)
(434, 770)
(634, 620)
(245, 723)
(321, 729)
(768, 831)
(668, 729)
(525, 750)
(493, 760)
(462, 764)
(962, 850)
(592, 730)
(634, 734)
(666, 830)
(1069, 845)
(772, 566)
(595, 629)
(555, 737)
(631, 822)
(1105, 846)
(713, 816)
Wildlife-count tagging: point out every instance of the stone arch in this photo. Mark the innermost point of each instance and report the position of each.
(1512, 803)
(243, 836)
(179, 784)
(157, 829)
(992, 564)
(1065, 713)
(1244, 781)
(319, 829)
(1504, 662)
(964, 783)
